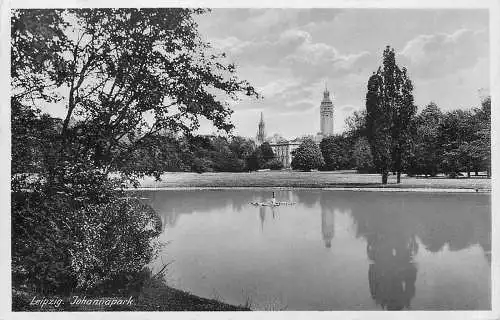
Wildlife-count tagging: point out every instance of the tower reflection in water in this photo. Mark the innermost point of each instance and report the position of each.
(327, 222)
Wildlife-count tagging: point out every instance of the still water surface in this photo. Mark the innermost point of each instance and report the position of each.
(332, 250)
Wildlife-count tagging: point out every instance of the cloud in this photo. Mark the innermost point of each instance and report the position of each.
(294, 49)
(288, 54)
(439, 54)
(250, 24)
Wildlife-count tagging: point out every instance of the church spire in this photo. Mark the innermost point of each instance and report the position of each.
(261, 133)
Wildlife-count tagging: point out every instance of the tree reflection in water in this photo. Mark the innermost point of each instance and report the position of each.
(390, 246)
(392, 274)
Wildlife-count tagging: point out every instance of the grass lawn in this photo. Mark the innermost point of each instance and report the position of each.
(341, 179)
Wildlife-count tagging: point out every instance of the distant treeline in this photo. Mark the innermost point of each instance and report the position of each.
(34, 143)
(441, 142)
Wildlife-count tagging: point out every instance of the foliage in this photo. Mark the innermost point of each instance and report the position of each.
(362, 156)
(274, 164)
(307, 156)
(154, 156)
(201, 165)
(426, 152)
(267, 151)
(114, 239)
(241, 147)
(356, 125)
(337, 152)
(124, 76)
(465, 140)
(378, 126)
(450, 142)
(389, 112)
(129, 63)
(86, 233)
(255, 161)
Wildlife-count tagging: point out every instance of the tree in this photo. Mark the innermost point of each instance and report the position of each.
(455, 131)
(336, 151)
(389, 112)
(307, 156)
(362, 156)
(124, 75)
(427, 151)
(378, 125)
(125, 64)
(483, 134)
(255, 161)
(267, 152)
(37, 64)
(242, 147)
(403, 113)
(356, 125)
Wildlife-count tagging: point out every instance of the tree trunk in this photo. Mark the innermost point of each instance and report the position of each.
(384, 177)
(398, 177)
(476, 173)
(468, 173)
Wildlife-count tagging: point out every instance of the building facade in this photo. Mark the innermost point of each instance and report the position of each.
(283, 151)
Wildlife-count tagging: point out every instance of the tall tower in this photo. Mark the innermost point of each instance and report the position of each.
(326, 114)
(261, 133)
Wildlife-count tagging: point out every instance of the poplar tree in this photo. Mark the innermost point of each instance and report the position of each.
(390, 110)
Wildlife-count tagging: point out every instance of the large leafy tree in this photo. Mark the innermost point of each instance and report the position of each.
(426, 151)
(456, 134)
(127, 74)
(307, 156)
(389, 113)
(336, 151)
(122, 76)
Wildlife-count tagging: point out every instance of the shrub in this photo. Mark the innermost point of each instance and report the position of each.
(78, 234)
(113, 239)
(201, 165)
(274, 164)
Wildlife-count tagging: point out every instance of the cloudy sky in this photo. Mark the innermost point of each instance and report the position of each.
(289, 54)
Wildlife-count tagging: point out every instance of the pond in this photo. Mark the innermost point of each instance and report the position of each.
(332, 250)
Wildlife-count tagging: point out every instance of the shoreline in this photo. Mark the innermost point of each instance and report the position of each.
(285, 188)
